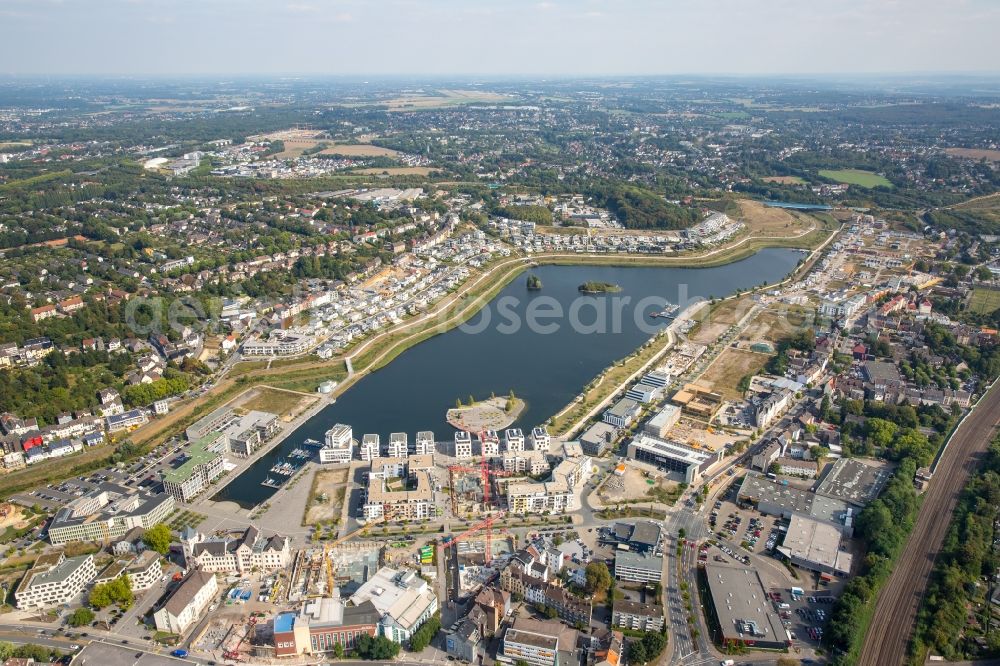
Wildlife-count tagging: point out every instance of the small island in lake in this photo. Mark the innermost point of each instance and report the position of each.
(591, 287)
(534, 283)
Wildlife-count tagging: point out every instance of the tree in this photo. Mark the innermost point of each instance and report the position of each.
(158, 538)
(379, 648)
(423, 636)
(598, 577)
(338, 650)
(118, 591)
(81, 617)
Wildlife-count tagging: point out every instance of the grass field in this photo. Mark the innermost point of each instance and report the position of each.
(731, 366)
(984, 301)
(765, 221)
(282, 403)
(856, 177)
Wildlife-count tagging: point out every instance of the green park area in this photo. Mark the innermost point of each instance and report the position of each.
(857, 177)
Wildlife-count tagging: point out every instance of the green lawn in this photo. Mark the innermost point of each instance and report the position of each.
(856, 177)
(984, 301)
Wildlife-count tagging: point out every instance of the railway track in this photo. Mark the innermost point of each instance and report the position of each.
(897, 605)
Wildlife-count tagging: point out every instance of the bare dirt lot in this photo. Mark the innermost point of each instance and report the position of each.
(358, 150)
(638, 485)
(784, 180)
(975, 153)
(326, 498)
(718, 318)
(727, 370)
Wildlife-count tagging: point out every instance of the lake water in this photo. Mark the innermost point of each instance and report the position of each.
(497, 351)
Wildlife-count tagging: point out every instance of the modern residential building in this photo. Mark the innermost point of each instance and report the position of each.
(463, 445)
(204, 464)
(126, 420)
(424, 443)
(108, 512)
(528, 462)
(403, 600)
(54, 580)
(338, 446)
(398, 445)
(186, 603)
(279, 343)
(513, 439)
(399, 489)
(463, 643)
(534, 642)
(636, 616)
(638, 567)
(248, 432)
(551, 497)
(540, 439)
(371, 447)
(142, 571)
(489, 444)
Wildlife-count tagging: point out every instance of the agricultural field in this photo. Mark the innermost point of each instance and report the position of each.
(984, 301)
(857, 177)
(975, 154)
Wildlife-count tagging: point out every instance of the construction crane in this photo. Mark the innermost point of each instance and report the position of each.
(487, 525)
(484, 474)
(233, 654)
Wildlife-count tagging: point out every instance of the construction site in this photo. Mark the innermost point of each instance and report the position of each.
(474, 490)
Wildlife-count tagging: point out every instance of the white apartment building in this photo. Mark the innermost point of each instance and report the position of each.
(489, 444)
(424, 444)
(551, 497)
(513, 440)
(463, 445)
(338, 446)
(540, 439)
(371, 447)
(54, 580)
(399, 446)
(187, 603)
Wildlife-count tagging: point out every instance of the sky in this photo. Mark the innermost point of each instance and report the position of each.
(498, 37)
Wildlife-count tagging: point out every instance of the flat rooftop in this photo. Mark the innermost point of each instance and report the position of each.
(672, 449)
(817, 543)
(854, 480)
(758, 488)
(741, 603)
(198, 454)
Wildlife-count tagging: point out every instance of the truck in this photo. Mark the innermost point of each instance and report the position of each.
(179, 653)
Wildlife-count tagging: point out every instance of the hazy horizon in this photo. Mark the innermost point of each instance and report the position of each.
(498, 38)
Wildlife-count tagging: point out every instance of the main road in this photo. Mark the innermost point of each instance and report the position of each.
(896, 609)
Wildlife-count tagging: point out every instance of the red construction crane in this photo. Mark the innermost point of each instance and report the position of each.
(233, 653)
(487, 525)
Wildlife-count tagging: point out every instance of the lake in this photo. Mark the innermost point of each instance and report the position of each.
(518, 342)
